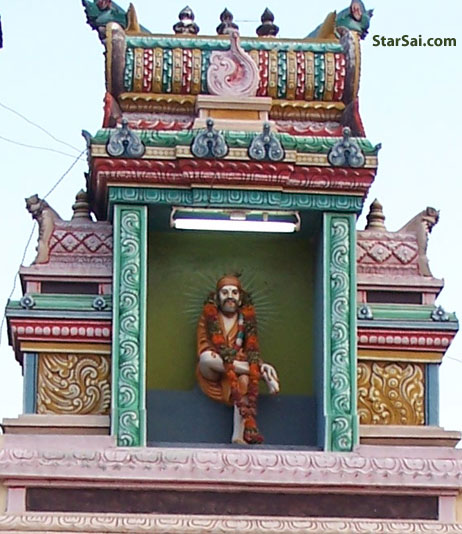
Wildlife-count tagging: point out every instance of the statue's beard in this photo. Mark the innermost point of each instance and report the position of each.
(229, 305)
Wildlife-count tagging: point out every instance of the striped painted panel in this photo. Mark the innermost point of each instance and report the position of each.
(287, 75)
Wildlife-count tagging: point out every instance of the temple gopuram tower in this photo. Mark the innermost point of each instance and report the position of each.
(210, 345)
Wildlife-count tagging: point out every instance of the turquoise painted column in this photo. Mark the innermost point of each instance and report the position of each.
(30, 382)
(432, 394)
(128, 416)
(339, 332)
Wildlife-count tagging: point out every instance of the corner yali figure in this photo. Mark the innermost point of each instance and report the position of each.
(229, 365)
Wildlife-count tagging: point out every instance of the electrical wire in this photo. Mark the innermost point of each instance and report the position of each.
(44, 130)
(65, 174)
(451, 358)
(37, 147)
(16, 276)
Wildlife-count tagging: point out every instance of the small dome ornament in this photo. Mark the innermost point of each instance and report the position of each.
(267, 27)
(227, 25)
(186, 24)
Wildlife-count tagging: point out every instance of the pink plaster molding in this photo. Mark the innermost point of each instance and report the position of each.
(16, 501)
(385, 257)
(438, 469)
(79, 247)
(233, 72)
(447, 508)
(39, 522)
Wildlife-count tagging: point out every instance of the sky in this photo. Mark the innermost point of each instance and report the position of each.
(52, 73)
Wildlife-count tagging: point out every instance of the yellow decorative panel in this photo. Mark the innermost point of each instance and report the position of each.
(73, 384)
(391, 393)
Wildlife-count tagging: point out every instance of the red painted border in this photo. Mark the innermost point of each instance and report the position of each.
(412, 340)
(223, 173)
(64, 330)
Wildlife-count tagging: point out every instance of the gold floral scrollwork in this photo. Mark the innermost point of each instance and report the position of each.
(391, 393)
(73, 384)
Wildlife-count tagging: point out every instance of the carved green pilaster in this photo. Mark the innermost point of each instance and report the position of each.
(129, 325)
(341, 420)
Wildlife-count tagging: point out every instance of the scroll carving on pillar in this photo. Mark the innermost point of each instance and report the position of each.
(129, 322)
(340, 361)
(73, 384)
(391, 393)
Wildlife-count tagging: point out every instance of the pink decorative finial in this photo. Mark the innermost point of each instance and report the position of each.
(232, 73)
(81, 208)
(376, 218)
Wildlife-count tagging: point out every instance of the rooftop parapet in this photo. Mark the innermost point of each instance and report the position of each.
(311, 78)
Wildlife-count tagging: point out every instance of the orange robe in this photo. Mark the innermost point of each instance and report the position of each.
(218, 390)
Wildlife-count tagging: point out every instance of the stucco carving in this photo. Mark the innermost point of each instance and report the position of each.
(435, 469)
(162, 524)
(404, 252)
(391, 393)
(73, 384)
(422, 224)
(46, 217)
(232, 73)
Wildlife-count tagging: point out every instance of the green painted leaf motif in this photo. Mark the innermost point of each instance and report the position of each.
(128, 71)
(319, 76)
(167, 68)
(282, 74)
(205, 63)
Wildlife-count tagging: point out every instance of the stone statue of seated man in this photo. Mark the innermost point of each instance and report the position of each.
(229, 365)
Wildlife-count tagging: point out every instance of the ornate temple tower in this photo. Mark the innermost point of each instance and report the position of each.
(245, 157)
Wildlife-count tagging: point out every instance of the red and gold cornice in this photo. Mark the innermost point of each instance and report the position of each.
(47, 330)
(185, 173)
(405, 339)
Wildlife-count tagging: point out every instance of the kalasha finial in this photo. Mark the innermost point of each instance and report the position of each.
(81, 207)
(227, 25)
(376, 218)
(186, 24)
(267, 28)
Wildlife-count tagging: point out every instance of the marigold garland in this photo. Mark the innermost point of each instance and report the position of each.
(246, 339)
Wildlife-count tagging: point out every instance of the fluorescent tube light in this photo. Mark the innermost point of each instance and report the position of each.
(234, 220)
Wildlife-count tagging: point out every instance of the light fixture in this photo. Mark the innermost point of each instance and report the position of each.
(234, 220)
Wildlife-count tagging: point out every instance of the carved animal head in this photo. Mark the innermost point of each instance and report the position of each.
(35, 205)
(355, 18)
(429, 218)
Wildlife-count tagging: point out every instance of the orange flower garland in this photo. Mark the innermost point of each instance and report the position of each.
(246, 337)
